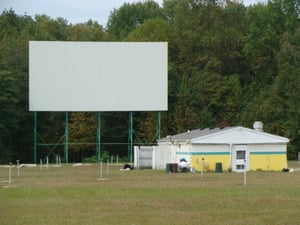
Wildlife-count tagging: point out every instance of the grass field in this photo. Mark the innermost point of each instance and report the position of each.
(70, 195)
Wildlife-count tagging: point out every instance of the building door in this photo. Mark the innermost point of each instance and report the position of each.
(240, 158)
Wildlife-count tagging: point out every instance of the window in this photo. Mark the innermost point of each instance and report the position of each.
(240, 166)
(240, 154)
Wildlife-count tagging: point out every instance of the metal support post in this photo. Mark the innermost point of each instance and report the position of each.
(67, 138)
(34, 137)
(130, 138)
(158, 127)
(98, 137)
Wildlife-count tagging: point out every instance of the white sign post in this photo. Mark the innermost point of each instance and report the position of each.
(101, 171)
(202, 170)
(245, 173)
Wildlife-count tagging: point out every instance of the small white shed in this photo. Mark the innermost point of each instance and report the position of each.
(235, 148)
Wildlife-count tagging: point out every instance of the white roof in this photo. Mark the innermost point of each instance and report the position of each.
(239, 135)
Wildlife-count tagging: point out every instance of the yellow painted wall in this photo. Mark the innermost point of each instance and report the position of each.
(268, 157)
(269, 162)
(271, 157)
(210, 162)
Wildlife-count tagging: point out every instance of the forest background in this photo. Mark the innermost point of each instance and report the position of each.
(229, 65)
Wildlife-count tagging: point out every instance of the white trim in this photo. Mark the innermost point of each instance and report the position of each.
(239, 135)
(236, 161)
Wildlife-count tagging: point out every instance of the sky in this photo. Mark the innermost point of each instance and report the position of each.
(74, 11)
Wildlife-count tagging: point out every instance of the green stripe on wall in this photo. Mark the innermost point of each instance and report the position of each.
(228, 153)
(267, 153)
(202, 153)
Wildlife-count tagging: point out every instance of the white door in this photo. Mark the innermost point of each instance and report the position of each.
(240, 158)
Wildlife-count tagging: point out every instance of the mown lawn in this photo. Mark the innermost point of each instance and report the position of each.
(74, 195)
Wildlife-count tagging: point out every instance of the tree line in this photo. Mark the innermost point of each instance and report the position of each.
(229, 64)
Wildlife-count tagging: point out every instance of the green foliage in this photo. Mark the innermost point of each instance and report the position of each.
(128, 17)
(89, 31)
(262, 41)
(151, 30)
(82, 129)
(92, 159)
(282, 107)
(8, 115)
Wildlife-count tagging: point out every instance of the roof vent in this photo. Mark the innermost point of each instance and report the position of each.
(258, 125)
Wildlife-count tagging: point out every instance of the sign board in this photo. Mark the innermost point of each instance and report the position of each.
(98, 76)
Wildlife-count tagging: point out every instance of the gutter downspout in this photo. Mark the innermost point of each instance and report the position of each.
(230, 157)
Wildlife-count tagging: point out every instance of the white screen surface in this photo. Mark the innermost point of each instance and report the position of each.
(98, 76)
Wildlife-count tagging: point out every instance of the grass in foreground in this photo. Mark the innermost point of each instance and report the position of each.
(73, 195)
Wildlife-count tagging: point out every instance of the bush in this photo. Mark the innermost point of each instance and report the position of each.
(92, 159)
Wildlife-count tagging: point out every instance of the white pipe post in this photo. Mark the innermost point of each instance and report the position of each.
(202, 170)
(18, 166)
(9, 174)
(107, 168)
(47, 162)
(245, 173)
(117, 159)
(41, 164)
(230, 160)
(100, 169)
